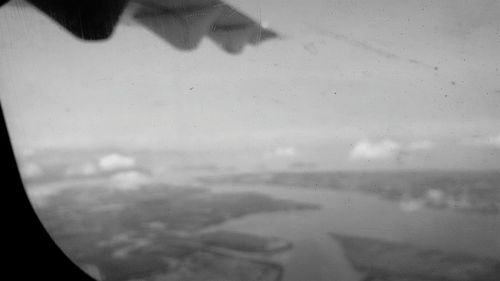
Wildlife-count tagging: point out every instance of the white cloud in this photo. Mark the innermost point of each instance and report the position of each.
(435, 196)
(420, 145)
(130, 180)
(288, 151)
(368, 150)
(93, 271)
(492, 141)
(38, 196)
(116, 161)
(86, 169)
(27, 152)
(384, 149)
(31, 170)
(411, 205)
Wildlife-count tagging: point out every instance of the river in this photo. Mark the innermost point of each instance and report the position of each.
(316, 256)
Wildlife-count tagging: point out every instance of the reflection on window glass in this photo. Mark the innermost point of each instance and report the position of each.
(260, 140)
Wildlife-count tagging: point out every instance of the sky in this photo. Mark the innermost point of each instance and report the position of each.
(351, 84)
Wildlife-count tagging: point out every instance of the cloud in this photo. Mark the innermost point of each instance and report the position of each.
(86, 169)
(411, 205)
(367, 150)
(27, 152)
(130, 180)
(491, 141)
(420, 145)
(31, 170)
(116, 161)
(384, 149)
(302, 165)
(93, 271)
(108, 163)
(435, 196)
(39, 196)
(285, 151)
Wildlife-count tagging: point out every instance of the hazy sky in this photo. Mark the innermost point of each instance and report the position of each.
(367, 80)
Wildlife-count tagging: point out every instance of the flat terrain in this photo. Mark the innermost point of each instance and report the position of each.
(153, 233)
(125, 225)
(387, 261)
(469, 191)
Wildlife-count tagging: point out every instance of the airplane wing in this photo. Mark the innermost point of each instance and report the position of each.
(184, 26)
(182, 23)
(86, 19)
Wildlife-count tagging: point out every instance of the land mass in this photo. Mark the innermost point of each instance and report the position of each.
(468, 191)
(389, 261)
(155, 233)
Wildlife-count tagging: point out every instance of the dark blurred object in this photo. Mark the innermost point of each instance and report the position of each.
(86, 19)
(183, 23)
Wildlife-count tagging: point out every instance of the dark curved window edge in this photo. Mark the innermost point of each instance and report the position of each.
(31, 252)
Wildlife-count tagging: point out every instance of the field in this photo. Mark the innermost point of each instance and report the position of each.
(387, 261)
(154, 233)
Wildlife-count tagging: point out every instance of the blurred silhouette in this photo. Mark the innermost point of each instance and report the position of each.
(86, 19)
(183, 23)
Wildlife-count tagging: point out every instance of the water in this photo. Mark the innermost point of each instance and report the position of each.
(316, 256)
